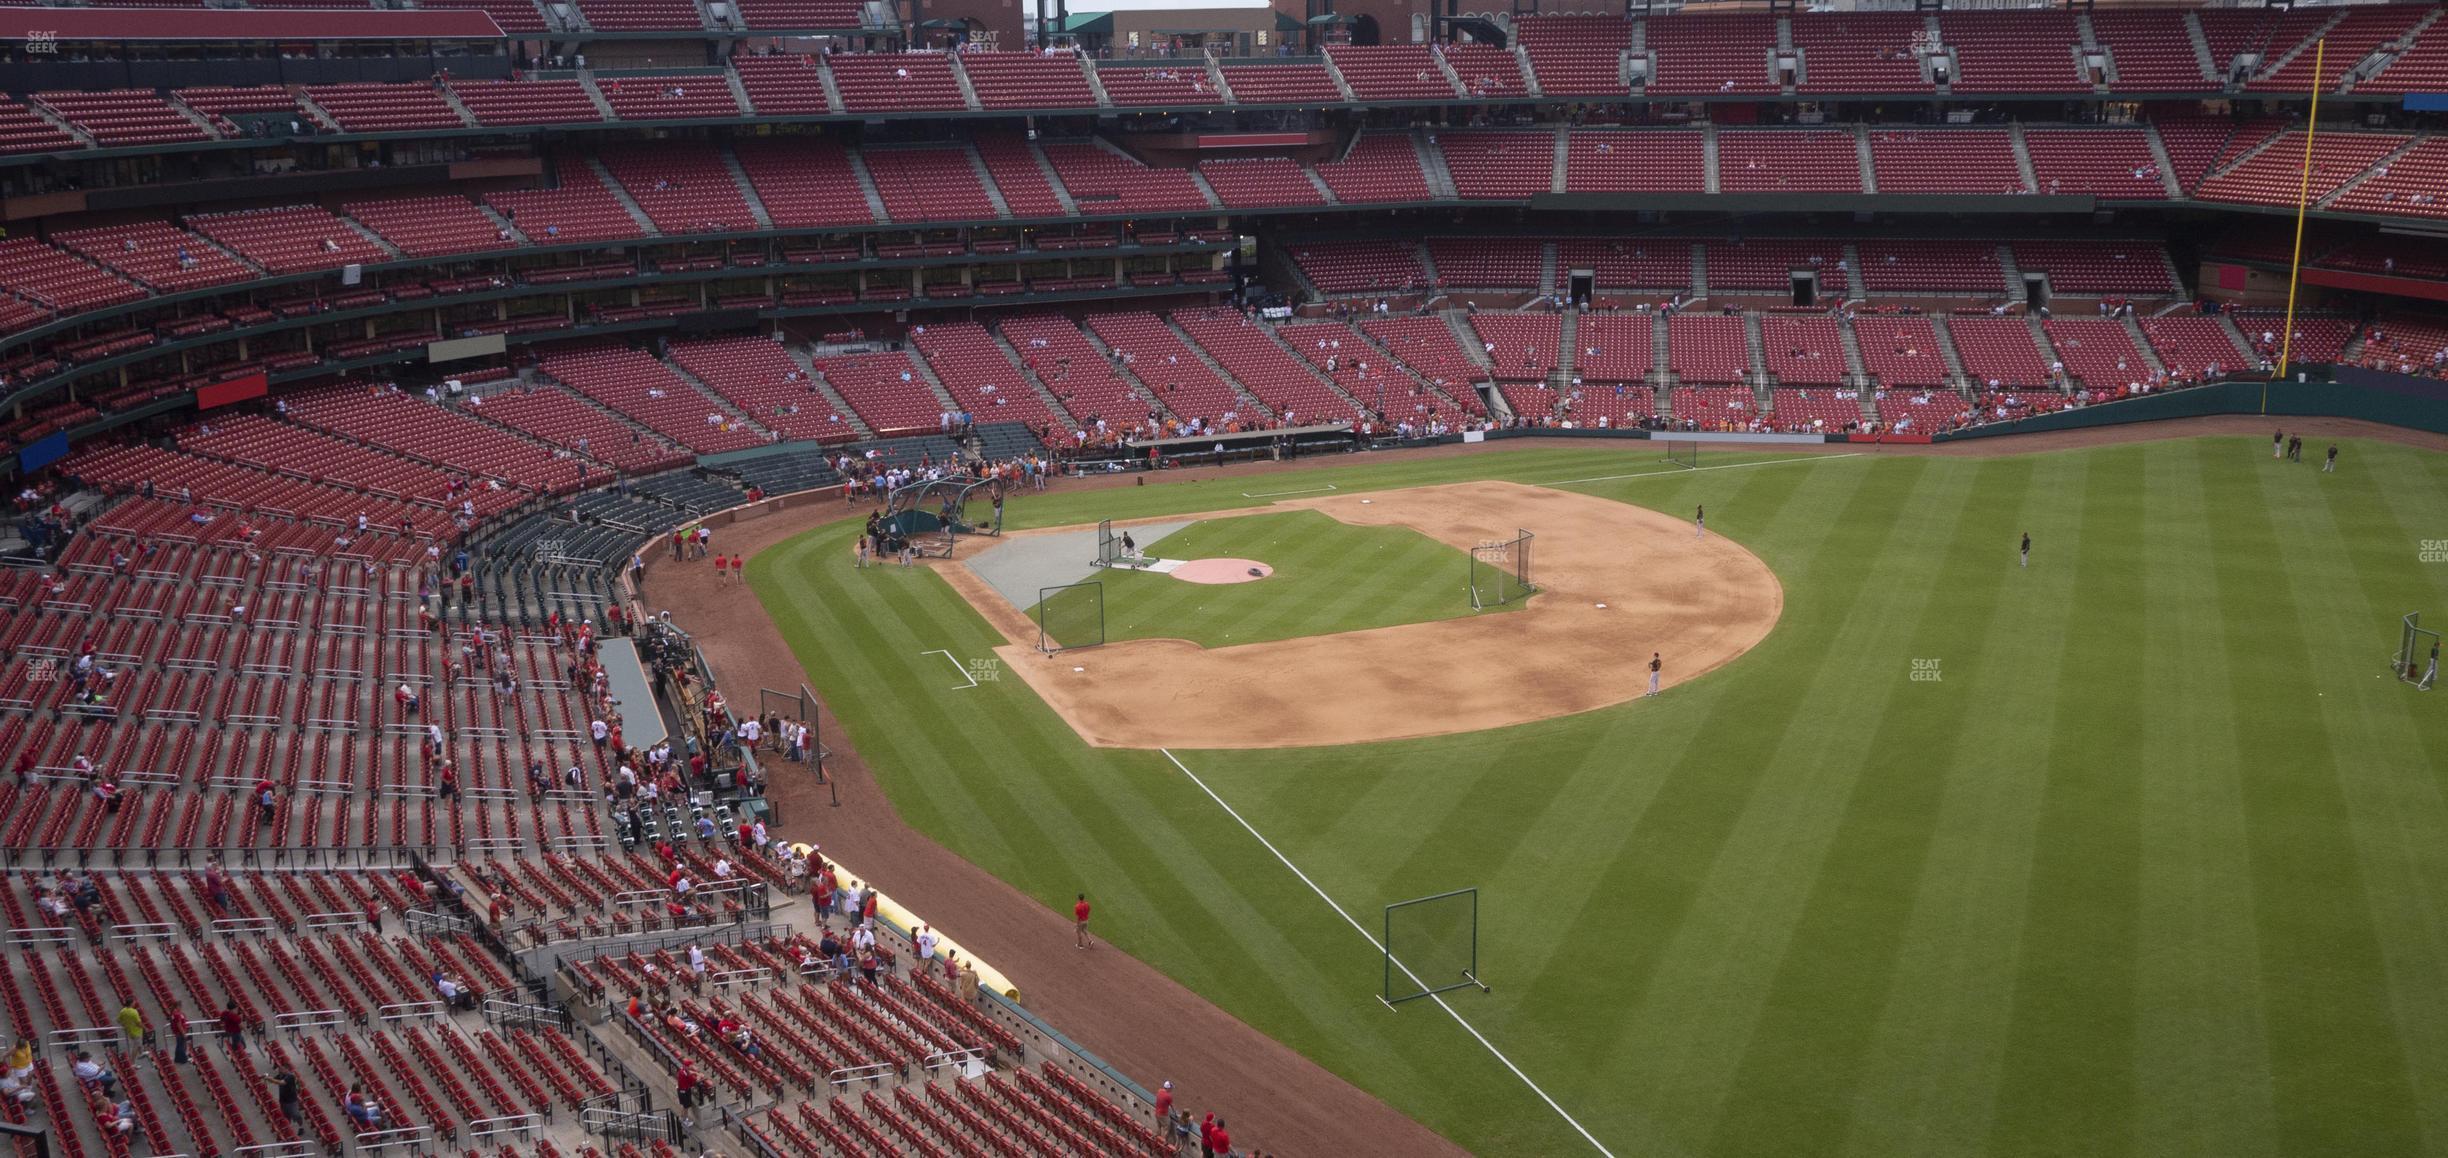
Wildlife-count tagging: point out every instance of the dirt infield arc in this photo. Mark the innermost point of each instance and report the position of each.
(1698, 601)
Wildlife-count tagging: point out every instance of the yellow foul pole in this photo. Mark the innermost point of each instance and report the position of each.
(2303, 202)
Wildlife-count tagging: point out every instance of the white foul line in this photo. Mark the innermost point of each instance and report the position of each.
(1563, 482)
(956, 666)
(1372, 939)
(1280, 494)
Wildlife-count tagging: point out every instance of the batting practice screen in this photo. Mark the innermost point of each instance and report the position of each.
(1500, 571)
(2414, 649)
(1109, 545)
(1685, 454)
(1431, 945)
(1069, 616)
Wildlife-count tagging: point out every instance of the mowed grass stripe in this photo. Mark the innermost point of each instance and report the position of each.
(2202, 1067)
(1931, 1066)
(2069, 1050)
(2337, 1065)
(2358, 548)
(1828, 992)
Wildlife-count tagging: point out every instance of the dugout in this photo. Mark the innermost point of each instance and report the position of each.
(1246, 446)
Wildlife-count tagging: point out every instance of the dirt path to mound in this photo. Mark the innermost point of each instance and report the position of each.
(1617, 582)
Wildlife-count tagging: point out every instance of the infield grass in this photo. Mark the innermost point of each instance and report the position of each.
(1329, 576)
(2155, 865)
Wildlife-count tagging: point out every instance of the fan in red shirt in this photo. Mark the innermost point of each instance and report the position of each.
(1079, 922)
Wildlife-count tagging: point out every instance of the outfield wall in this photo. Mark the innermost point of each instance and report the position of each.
(2343, 392)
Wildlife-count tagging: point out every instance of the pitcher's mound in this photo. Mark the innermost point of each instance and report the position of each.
(1222, 571)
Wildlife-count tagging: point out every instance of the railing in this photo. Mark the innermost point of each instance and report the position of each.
(513, 1014)
(319, 858)
(415, 1139)
(520, 1126)
(641, 1125)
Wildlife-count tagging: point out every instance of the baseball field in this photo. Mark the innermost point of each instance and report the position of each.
(2138, 850)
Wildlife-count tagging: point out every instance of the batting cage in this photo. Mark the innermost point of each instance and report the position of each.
(2416, 649)
(1500, 572)
(1684, 454)
(1431, 945)
(1070, 616)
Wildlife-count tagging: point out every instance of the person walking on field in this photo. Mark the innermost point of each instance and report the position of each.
(2027, 548)
(1700, 522)
(1079, 922)
(2330, 467)
(1655, 664)
(2430, 674)
(2278, 445)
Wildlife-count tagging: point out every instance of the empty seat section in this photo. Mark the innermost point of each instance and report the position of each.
(2152, 50)
(1170, 84)
(1071, 369)
(1787, 161)
(2114, 163)
(1699, 54)
(527, 102)
(435, 435)
(2357, 33)
(2404, 345)
(2316, 338)
(1577, 55)
(1344, 267)
(2422, 68)
(22, 130)
(1806, 410)
(2100, 267)
(1945, 161)
(669, 98)
(1770, 263)
(1380, 167)
(384, 108)
(641, 15)
(1969, 267)
(159, 254)
(2415, 183)
(428, 226)
(980, 378)
(1486, 70)
(1999, 353)
(289, 240)
(1860, 52)
(684, 186)
(2098, 352)
(511, 15)
(784, 84)
(2193, 347)
(563, 420)
(767, 15)
(1803, 351)
(1924, 411)
(1391, 72)
(2274, 176)
(580, 208)
(1260, 182)
(634, 384)
(1499, 164)
(1284, 382)
(1281, 84)
(1522, 347)
(1715, 407)
(1026, 80)
(1171, 368)
(123, 117)
(2231, 32)
(1614, 347)
(804, 181)
(1428, 347)
(909, 81)
(1510, 263)
(219, 104)
(1019, 176)
(1900, 352)
(59, 281)
(1646, 263)
(2015, 52)
(1707, 349)
(1635, 161)
(884, 390)
(1103, 181)
(928, 184)
(760, 377)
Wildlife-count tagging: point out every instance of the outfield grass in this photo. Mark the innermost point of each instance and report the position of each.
(1329, 576)
(2154, 867)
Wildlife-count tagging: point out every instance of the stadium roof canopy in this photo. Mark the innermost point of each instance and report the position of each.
(184, 24)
